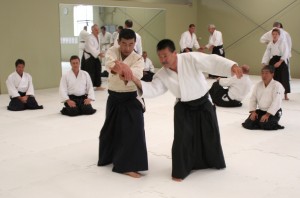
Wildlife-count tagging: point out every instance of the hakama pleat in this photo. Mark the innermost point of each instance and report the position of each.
(196, 142)
(122, 137)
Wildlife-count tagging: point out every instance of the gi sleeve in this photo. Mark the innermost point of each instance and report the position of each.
(12, 90)
(63, 89)
(277, 96)
(153, 88)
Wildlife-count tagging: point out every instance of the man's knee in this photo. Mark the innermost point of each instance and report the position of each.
(70, 111)
(87, 110)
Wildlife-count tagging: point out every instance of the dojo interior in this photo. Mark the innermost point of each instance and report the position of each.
(46, 154)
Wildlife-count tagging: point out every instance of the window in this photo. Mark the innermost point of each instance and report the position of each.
(83, 16)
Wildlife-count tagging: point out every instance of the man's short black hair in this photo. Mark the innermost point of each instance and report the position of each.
(271, 68)
(127, 34)
(165, 43)
(19, 61)
(129, 23)
(74, 57)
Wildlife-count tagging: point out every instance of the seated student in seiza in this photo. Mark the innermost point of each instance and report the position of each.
(20, 89)
(265, 102)
(76, 91)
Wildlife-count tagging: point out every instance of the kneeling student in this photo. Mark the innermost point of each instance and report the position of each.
(236, 89)
(20, 89)
(76, 91)
(265, 102)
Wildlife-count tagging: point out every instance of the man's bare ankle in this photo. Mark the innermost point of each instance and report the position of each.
(133, 174)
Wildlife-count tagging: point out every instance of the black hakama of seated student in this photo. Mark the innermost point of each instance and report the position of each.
(220, 97)
(122, 137)
(148, 76)
(16, 105)
(281, 73)
(93, 67)
(80, 109)
(197, 143)
(271, 124)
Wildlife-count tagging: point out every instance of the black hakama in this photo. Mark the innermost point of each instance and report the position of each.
(218, 50)
(80, 109)
(93, 67)
(220, 97)
(16, 105)
(270, 124)
(122, 137)
(281, 73)
(148, 76)
(196, 142)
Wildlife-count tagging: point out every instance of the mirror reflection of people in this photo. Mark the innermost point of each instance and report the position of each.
(91, 58)
(148, 68)
(265, 102)
(76, 90)
(82, 39)
(20, 89)
(122, 137)
(196, 143)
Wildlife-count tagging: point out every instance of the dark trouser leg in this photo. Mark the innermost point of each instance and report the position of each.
(87, 109)
(272, 123)
(16, 105)
(70, 111)
(32, 103)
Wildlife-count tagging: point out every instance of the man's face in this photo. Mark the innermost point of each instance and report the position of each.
(20, 69)
(166, 57)
(275, 36)
(192, 29)
(75, 63)
(95, 30)
(211, 30)
(126, 46)
(266, 75)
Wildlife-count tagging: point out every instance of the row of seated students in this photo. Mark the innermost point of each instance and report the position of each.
(77, 93)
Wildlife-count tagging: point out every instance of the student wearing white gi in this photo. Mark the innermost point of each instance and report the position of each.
(148, 68)
(138, 44)
(284, 37)
(122, 137)
(188, 40)
(82, 39)
(91, 58)
(196, 142)
(265, 102)
(276, 54)
(76, 91)
(215, 43)
(105, 42)
(229, 92)
(20, 89)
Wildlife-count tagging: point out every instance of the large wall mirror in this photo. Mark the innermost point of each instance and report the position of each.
(148, 22)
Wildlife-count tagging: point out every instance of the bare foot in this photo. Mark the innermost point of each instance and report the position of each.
(133, 174)
(177, 179)
(286, 97)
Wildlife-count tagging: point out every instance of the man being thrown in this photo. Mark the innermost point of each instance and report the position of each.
(196, 142)
(122, 137)
(265, 102)
(76, 91)
(20, 89)
(236, 89)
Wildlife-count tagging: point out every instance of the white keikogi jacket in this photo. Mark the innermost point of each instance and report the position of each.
(189, 83)
(268, 98)
(78, 86)
(16, 83)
